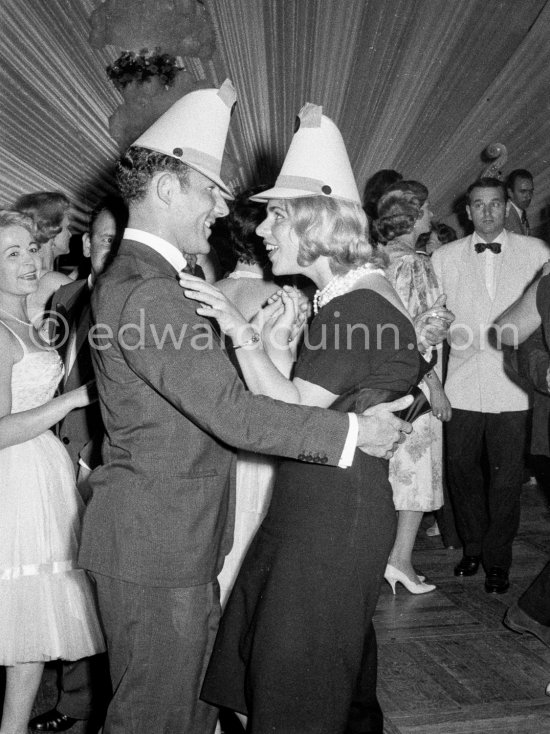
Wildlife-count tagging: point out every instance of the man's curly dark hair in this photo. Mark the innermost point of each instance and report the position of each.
(136, 168)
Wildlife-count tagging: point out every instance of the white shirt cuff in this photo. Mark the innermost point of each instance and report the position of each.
(348, 453)
(83, 464)
(428, 353)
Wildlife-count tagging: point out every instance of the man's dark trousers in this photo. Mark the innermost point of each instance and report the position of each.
(487, 508)
(84, 687)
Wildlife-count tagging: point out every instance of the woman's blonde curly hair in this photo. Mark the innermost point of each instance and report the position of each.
(334, 228)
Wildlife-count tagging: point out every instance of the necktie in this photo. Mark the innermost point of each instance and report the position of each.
(525, 221)
(493, 246)
(195, 270)
(199, 272)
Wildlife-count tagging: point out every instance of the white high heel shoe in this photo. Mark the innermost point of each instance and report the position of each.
(394, 575)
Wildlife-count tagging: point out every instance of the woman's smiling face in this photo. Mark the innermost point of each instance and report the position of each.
(280, 239)
(19, 261)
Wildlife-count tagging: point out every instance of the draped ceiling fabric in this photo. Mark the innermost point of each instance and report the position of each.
(418, 85)
(56, 99)
(56, 103)
(422, 86)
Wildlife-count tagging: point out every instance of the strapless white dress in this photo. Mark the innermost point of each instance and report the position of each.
(47, 604)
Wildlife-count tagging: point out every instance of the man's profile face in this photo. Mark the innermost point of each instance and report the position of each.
(487, 211)
(522, 192)
(195, 208)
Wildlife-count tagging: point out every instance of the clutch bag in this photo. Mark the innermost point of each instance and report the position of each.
(367, 397)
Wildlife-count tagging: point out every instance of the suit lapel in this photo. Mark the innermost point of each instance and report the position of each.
(79, 319)
(83, 326)
(517, 219)
(59, 329)
(506, 270)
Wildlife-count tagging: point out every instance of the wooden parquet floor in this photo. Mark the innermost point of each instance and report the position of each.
(447, 665)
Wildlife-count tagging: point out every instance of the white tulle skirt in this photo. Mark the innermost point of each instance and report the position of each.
(47, 604)
(254, 484)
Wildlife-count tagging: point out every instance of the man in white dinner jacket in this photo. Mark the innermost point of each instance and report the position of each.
(482, 274)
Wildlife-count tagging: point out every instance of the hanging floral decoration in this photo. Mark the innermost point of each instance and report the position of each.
(141, 66)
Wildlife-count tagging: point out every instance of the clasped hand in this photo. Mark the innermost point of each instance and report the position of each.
(280, 321)
(380, 431)
(432, 325)
(283, 318)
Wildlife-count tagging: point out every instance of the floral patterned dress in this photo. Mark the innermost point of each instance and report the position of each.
(416, 473)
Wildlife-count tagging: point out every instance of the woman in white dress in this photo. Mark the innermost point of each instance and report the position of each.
(416, 467)
(248, 286)
(50, 212)
(47, 605)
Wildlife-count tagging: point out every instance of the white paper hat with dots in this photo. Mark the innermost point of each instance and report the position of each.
(194, 130)
(316, 163)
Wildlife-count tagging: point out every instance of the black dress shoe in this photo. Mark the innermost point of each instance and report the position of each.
(496, 581)
(52, 720)
(468, 566)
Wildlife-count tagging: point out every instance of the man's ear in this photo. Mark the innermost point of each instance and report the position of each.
(86, 244)
(508, 205)
(166, 185)
(468, 212)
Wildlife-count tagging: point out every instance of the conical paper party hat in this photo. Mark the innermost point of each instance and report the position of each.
(316, 163)
(194, 130)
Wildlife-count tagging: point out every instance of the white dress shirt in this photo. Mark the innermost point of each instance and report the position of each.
(489, 259)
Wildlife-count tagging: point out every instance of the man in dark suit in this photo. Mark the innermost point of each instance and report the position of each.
(160, 520)
(82, 432)
(519, 186)
(83, 684)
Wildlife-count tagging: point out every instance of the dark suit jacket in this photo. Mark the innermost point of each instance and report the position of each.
(81, 430)
(162, 509)
(513, 223)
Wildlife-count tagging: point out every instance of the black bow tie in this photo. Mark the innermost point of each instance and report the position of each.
(493, 246)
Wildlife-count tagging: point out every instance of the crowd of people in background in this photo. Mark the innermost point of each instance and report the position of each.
(148, 485)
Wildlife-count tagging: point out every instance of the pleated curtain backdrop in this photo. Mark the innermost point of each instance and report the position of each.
(418, 85)
(56, 99)
(422, 86)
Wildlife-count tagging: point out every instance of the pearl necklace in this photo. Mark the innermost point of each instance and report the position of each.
(340, 284)
(237, 274)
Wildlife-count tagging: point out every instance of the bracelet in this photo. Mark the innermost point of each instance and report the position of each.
(254, 339)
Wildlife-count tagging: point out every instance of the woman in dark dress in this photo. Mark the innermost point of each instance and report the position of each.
(296, 650)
